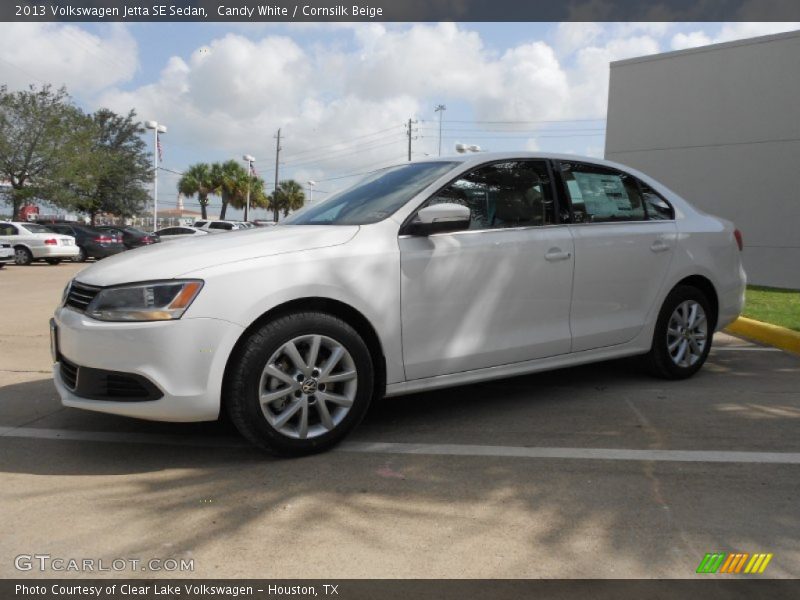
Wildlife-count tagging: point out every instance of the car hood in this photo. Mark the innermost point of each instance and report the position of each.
(173, 259)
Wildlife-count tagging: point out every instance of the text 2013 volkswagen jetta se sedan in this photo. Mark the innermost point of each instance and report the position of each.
(422, 276)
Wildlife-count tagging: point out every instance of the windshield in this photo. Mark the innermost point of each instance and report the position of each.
(373, 198)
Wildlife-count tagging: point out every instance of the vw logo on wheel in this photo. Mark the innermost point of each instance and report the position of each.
(309, 386)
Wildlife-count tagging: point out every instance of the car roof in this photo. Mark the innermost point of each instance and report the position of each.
(482, 157)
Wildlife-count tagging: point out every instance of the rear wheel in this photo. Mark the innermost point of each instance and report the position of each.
(299, 384)
(683, 334)
(53, 261)
(22, 256)
(81, 256)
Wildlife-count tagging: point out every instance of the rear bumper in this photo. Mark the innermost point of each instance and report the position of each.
(184, 359)
(731, 300)
(55, 252)
(98, 251)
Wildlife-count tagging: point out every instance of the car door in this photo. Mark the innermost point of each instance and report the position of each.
(496, 293)
(621, 256)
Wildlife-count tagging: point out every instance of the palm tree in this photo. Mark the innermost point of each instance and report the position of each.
(288, 197)
(197, 180)
(228, 178)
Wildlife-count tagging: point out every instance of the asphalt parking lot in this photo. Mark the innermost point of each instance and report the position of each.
(595, 471)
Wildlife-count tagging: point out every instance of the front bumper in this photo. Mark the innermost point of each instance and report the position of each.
(185, 359)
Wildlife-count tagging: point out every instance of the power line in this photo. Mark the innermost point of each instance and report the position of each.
(339, 154)
(336, 144)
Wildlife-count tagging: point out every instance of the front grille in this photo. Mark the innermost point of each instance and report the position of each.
(80, 295)
(69, 373)
(99, 384)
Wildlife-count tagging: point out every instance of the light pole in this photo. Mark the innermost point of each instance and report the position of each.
(311, 183)
(156, 130)
(440, 108)
(249, 160)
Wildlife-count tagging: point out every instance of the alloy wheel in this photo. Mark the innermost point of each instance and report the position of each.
(687, 333)
(308, 386)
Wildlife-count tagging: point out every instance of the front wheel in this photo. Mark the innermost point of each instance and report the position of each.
(683, 334)
(299, 384)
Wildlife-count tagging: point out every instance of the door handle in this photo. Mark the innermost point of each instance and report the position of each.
(659, 246)
(555, 254)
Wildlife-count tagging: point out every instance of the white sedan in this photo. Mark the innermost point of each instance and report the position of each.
(422, 276)
(6, 254)
(181, 232)
(31, 242)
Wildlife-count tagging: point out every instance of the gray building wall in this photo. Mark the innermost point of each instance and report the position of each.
(720, 125)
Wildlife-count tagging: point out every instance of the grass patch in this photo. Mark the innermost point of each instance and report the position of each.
(773, 305)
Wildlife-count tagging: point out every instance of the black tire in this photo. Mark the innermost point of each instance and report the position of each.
(241, 389)
(53, 261)
(658, 361)
(22, 256)
(81, 257)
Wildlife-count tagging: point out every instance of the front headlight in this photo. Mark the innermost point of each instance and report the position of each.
(161, 301)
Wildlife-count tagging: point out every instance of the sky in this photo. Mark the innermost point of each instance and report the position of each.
(342, 93)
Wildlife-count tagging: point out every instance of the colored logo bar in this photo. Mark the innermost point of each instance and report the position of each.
(734, 562)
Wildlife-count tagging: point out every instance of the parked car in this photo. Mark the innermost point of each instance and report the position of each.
(6, 254)
(34, 242)
(222, 226)
(181, 232)
(264, 223)
(506, 264)
(131, 237)
(92, 242)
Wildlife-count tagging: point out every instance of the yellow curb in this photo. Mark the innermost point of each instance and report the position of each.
(766, 333)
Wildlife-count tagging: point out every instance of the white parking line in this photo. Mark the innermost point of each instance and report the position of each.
(745, 348)
(716, 456)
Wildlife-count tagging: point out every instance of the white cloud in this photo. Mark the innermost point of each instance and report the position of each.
(728, 33)
(230, 94)
(66, 55)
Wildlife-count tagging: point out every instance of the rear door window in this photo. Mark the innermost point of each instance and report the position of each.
(601, 195)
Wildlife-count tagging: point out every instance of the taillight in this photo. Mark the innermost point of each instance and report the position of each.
(103, 239)
(739, 241)
(147, 239)
(51, 242)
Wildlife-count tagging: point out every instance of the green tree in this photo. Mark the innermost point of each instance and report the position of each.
(38, 129)
(113, 166)
(288, 197)
(198, 179)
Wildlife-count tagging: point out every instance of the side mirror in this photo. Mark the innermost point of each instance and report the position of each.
(440, 218)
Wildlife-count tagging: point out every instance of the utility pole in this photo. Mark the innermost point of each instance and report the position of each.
(440, 108)
(410, 125)
(277, 156)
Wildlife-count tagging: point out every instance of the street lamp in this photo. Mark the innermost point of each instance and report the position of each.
(464, 148)
(440, 108)
(156, 130)
(311, 183)
(249, 160)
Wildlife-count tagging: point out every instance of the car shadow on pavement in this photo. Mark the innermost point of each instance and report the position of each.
(495, 516)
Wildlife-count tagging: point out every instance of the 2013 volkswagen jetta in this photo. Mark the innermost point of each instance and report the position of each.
(421, 276)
